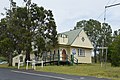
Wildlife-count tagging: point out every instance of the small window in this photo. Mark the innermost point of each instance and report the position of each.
(81, 52)
(83, 39)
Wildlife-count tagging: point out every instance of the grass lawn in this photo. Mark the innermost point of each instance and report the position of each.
(81, 70)
(85, 70)
(6, 66)
(3, 65)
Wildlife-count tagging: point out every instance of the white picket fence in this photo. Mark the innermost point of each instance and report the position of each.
(33, 64)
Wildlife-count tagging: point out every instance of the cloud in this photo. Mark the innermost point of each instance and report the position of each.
(68, 12)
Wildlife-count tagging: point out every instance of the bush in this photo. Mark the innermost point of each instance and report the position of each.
(2, 58)
(114, 51)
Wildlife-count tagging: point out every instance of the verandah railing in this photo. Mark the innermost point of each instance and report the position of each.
(51, 58)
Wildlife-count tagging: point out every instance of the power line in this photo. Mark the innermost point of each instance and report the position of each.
(108, 2)
(109, 6)
(100, 15)
(111, 2)
(104, 11)
(114, 1)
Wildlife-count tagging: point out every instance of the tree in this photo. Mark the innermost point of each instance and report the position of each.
(44, 28)
(93, 30)
(6, 40)
(26, 25)
(114, 51)
(7, 36)
(116, 33)
(106, 34)
(96, 33)
(3, 27)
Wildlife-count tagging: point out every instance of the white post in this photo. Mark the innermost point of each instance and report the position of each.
(18, 64)
(27, 65)
(34, 67)
(42, 64)
(33, 64)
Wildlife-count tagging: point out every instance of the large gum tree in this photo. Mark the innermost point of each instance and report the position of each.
(26, 25)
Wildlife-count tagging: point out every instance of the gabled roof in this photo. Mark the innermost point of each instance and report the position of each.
(72, 34)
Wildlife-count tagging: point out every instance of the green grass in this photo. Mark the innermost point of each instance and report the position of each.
(85, 70)
(3, 65)
(82, 70)
(6, 66)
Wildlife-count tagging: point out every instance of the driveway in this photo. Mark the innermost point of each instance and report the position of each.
(15, 74)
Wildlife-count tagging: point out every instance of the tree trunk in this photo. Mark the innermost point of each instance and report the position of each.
(27, 55)
(10, 59)
(95, 55)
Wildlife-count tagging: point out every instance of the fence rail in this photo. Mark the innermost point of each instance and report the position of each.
(57, 58)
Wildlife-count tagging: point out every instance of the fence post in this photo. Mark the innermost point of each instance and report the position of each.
(42, 63)
(19, 64)
(33, 64)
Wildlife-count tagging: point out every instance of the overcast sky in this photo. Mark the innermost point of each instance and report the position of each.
(68, 12)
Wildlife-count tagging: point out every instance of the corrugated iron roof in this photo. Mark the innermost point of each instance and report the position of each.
(72, 34)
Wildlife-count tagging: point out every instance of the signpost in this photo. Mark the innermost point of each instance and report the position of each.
(73, 51)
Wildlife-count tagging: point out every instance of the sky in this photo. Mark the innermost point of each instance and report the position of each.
(68, 12)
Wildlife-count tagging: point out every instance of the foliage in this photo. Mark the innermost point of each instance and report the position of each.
(23, 26)
(2, 58)
(106, 34)
(116, 33)
(100, 35)
(6, 40)
(91, 27)
(114, 51)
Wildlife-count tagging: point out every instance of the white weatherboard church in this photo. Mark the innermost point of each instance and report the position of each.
(74, 42)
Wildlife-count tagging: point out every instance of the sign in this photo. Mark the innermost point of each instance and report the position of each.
(73, 51)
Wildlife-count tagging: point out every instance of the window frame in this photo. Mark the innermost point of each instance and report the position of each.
(81, 52)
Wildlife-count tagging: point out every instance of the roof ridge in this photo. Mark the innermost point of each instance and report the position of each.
(72, 35)
(77, 34)
(71, 30)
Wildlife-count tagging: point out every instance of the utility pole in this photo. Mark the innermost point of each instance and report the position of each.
(112, 5)
(109, 6)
